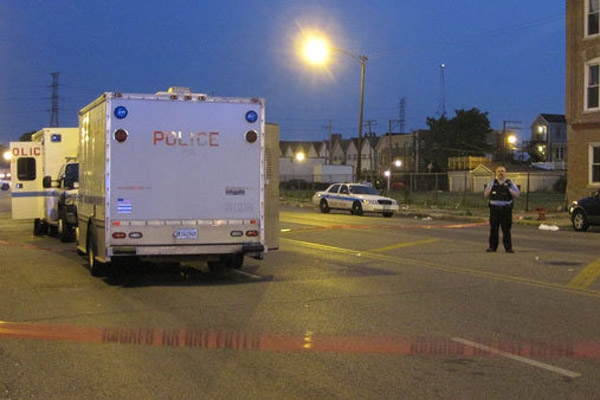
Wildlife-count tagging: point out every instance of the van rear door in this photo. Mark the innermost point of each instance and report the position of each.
(26, 174)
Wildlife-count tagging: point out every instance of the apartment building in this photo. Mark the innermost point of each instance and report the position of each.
(583, 97)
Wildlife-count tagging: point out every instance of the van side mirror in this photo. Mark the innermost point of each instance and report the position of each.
(47, 182)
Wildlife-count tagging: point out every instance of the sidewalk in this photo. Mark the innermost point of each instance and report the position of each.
(561, 220)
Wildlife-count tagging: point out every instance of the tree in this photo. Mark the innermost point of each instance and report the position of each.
(464, 135)
(26, 137)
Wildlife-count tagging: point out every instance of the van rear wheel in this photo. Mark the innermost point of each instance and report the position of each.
(65, 231)
(39, 227)
(97, 268)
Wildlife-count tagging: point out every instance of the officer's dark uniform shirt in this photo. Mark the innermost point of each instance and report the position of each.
(500, 194)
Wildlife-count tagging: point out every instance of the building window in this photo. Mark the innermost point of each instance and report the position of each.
(594, 160)
(592, 90)
(592, 17)
(560, 154)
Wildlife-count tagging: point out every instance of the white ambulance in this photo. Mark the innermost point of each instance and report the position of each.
(44, 175)
(176, 176)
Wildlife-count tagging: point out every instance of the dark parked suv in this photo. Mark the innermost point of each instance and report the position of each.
(585, 212)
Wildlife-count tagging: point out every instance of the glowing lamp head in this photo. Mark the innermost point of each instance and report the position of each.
(512, 139)
(398, 163)
(316, 51)
(387, 173)
(299, 156)
(7, 155)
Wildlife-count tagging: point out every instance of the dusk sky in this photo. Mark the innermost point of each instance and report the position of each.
(506, 58)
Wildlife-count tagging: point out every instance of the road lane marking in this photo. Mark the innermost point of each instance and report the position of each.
(402, 245)
(587, 276)
(448, 268)
(518, 358)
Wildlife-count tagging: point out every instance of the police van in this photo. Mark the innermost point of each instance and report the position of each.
(44, 175)
(176, 176)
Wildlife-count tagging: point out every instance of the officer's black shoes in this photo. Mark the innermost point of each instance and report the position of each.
(510, 251)
(490, 250)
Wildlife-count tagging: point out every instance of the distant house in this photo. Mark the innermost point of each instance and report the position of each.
(549, 137)
(350, 148)
(369, 156)
(583, 97)
(475, 180)
(395, 147)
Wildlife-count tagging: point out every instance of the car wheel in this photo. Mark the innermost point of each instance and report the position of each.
(388, 214)
(357, 208)
(324, 207)
(580, 222)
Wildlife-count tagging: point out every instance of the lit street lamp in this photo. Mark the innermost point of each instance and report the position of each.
(316, 51)
(388, 173)
(7, 155)
(298, 157)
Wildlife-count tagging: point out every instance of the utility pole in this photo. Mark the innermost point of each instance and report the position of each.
(54, 110)
(371, 123)
(330, 144)
(442, 104)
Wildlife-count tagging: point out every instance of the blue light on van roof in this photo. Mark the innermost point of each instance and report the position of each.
(251, 116)
(120, 112)
(55, 138)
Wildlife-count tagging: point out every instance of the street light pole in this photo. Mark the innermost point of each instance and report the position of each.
(362, 60)
(316, 53)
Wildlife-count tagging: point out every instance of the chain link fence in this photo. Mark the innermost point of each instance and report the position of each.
(455, 189)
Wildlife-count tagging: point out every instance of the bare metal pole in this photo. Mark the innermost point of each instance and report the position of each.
(362, 59)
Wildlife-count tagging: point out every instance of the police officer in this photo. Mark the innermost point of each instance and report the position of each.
(501, 192)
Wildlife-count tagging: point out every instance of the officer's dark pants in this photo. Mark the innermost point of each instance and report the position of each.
(500, 217)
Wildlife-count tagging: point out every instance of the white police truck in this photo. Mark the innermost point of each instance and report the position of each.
(176, 176)
(44, 175)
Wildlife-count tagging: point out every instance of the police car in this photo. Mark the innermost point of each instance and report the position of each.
(356, 197)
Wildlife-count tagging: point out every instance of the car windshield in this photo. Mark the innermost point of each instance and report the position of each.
(360, 189)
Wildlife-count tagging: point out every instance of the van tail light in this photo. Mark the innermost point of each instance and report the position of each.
(119, 235)
(252, 233)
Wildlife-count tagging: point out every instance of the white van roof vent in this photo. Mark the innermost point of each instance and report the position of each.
(182, 93)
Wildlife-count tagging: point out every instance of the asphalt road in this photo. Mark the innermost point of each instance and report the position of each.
(348, 308)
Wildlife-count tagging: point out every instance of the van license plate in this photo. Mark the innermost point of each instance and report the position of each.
(186, 234)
